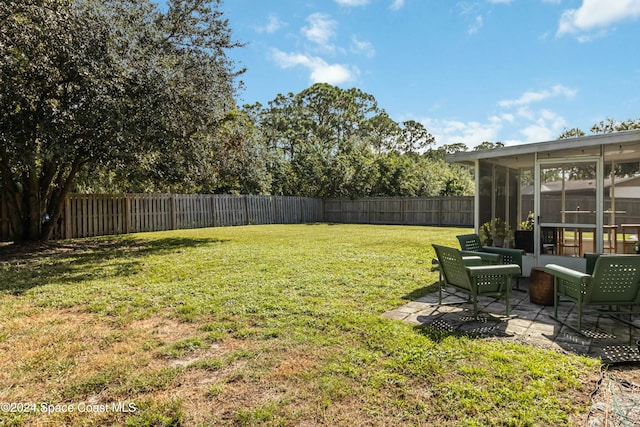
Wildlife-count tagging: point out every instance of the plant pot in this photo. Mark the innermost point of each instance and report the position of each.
(524, 240)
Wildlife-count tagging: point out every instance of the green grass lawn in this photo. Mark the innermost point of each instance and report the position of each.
(275, 325)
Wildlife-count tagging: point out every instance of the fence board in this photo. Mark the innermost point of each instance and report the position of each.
(454, 211)
(311, 210)
(87, 215)
(230, 210)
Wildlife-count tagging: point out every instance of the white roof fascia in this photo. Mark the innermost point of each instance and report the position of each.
(578, 143)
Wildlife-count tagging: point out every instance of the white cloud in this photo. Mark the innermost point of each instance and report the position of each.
(320, 70)
(466, 8)
(272, 25)
(351, 3)
(546, 127)
(508, 117)
(334, 74)
(534, 125)
(596, 15)
(524, 126)
(396, 4)
(531, 96)
(472, 13)
(500, 1)
(476, 25)
(321, 30)
(469, 133)
(526, 113)
(362, 47)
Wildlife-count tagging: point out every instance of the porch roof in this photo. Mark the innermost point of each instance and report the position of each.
(617, 146)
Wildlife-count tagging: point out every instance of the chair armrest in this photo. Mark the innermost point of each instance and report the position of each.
(508, 255)
(485, 256)
(567, 274)
(503, 269)
(469, 260)
(504, 251)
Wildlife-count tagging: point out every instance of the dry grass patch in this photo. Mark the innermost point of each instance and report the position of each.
(65, 357)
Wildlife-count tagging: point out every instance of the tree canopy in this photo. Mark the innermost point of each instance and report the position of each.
(112, 83)
(331, 142)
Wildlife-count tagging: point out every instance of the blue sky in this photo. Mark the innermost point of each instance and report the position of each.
(513, 71)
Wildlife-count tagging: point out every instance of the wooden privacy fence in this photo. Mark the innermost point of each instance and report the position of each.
(87, 215)
(93, 215)
(450, 211)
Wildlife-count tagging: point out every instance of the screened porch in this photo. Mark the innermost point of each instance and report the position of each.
(560, 199)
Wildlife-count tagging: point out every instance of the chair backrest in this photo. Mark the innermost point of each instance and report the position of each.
(470, 242)
(548, 235)
(511, 256)
(615, 280)
(591, 262)
(452, 266)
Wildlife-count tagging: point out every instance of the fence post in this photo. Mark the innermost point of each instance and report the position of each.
(212, 206)
(67, 217)
(172, 212)
(246, 209)
(127, 214)
(275, 200)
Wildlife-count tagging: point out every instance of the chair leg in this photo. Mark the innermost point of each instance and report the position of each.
(555, 300)
(517, 288)
(474, 296)
(579, 317)
(508, 292)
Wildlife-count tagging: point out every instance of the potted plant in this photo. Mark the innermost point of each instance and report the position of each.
(528, 223)
(499, 230)
(486, 236)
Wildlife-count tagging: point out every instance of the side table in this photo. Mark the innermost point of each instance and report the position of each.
(540, 287)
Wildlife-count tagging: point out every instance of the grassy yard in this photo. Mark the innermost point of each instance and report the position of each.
(273, 325)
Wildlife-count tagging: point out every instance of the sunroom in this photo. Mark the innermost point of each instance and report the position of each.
(570, 196)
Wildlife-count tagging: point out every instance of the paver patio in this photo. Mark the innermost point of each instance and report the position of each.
(607, 339)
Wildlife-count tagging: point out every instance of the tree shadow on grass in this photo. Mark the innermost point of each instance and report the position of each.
(438, 334)
(28, 265)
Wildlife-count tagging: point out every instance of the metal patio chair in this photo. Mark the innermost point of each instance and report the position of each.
(471, 245)
(472, 278)
(614, 283)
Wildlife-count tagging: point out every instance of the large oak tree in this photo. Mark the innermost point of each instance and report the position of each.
(116, 84)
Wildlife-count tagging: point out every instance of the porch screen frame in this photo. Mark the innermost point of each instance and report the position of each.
(599, 213)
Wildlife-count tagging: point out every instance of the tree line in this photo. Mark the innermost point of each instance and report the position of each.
(322, 142)
(123, 96)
